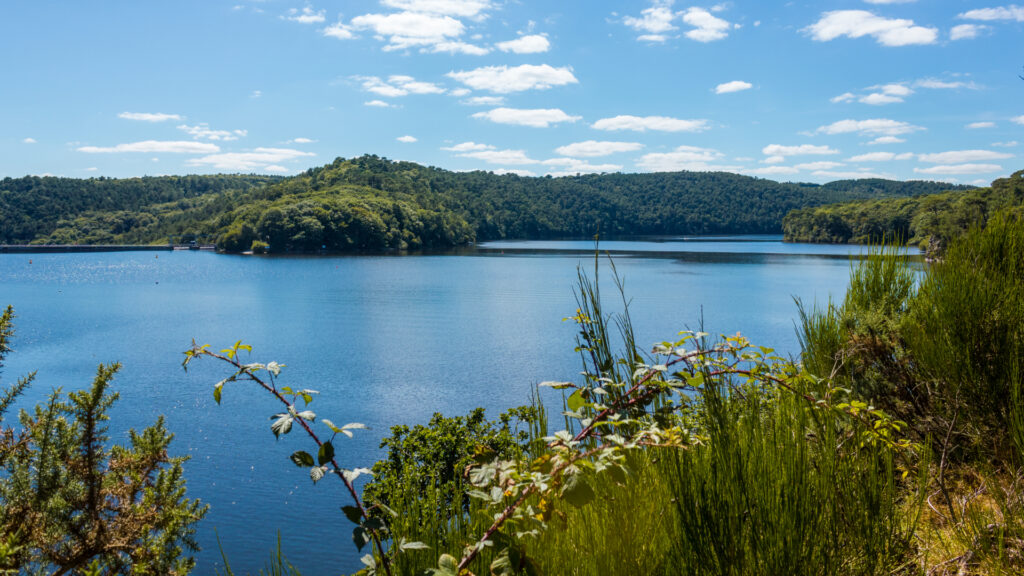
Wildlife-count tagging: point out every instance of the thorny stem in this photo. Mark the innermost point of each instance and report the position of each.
(242, 369)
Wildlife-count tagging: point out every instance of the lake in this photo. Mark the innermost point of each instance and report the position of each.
(387, 339)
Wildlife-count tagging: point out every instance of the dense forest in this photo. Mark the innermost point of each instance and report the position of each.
(375, 203)
(923, 219)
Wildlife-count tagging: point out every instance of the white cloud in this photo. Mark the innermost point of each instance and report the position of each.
(517, 172)
(936, 84)
(259, 158)
(202, 131)
(92, 169)
(306, 16)
(963, 156)
(654, 22)
(707, 27)
(29, 140)
(378, 104)
(734, 86)
(571, 166)
(256, 94)
(149, 116)
(887, 140)
(468, 147)
(879, 126)
(1012, 12)
(684, 158)
(881, 157)
(301, 141)
(847, 175)
(484, 101)
(505, 79)
(858, 23)
(801, 150)
(397, 85)
(460, 92)
(536, 118)
(155, 146)
(877, 99)
(276, 168)
(1009, 144)
(774, 160)
(456, 47)
(1018, 120)
(979, 125)
(594, 148)
(532, 44)
(960, 169)
(845, 97)
(772, 170)
(404, 30)
(822, 165)
(457, 8)
(644, 123)
(966, 31)
(339, 31)
(406, 139)
(511, 157)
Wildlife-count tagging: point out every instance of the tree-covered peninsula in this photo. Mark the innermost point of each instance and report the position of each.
(372, 203)
(921, 219)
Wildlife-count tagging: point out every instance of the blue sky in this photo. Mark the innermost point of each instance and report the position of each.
(795, 91)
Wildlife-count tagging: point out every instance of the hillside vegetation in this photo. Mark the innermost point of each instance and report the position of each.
(375, 203)
(922, 219)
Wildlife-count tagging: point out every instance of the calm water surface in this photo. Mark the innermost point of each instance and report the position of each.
(387, 339)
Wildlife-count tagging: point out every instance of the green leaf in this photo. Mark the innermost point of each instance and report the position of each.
(307, 415)
(576, 490)
(369, 561)
(325, 454)
(448, 564)
(353, 513)
(576, 401)
(302, 459)
(330, 425)
(361, 537)
(216, 392)
(556, 385)
(414, 546)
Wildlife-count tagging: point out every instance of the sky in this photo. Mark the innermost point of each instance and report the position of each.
(791, 91)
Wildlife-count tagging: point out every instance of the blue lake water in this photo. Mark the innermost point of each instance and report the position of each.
(386, 339)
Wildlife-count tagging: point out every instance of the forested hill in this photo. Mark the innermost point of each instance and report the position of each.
(932, 219)
(31, 207)
(373, 203)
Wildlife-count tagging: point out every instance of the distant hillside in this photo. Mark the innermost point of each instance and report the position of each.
(374, 203)
(920, 219)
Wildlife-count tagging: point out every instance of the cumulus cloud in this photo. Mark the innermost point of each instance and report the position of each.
(980, 125)
(645, 123)
(301, 141)
(847, 175)
(734, 86)
(1012, 12)
(531, 44)
(29, 140)
(707, 26)
(594, 148)
(859, 23)
(960, 169)
(456, 47)
(266, 159)
(517, 171)
(571, 166)
(509, 157)
(378, 104)
(397, 85)
(149, 116)
(887, 140)
(886, 94)
(484, 101)
(406, 139)
(155, 147)
(1008, 144)
(457, 8)
(1018, 120)
(779, 150)
(821, 165)
(339, 31)
(844, 97)
(936, 84)
(506, 79)
(468, 147)
(536, 118)
(772, 170)
(404, 30)
(203, 131)
(691, 158)
(963, 156)
(874, 126)
(966, 31)
(654, 22)
(306, 16)
(881, 157)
